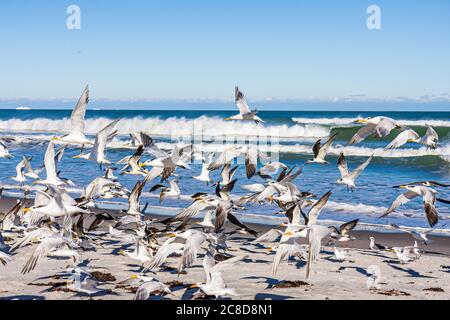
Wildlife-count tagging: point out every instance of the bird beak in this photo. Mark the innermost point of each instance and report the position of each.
(269, 249)
(193, 286)
(289, 233)
(172, 235)
(361, 121)
(227, 119)
(76, 157)
(55, 139)
(402, 187)
(121, 252)
(26, 210)
(270, 198)
(142, 165)
(411, 140)
(134, 276)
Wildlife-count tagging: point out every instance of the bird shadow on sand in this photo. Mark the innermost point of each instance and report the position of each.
(23, 297)
(116, 251)
(250, 251)
(411, 272)
(357, 269)
(445, 269)
(269, 296)
(271, 282)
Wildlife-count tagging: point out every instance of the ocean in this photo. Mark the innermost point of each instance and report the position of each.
(288, 135)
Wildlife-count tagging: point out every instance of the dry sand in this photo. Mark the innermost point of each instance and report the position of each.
(427, 278)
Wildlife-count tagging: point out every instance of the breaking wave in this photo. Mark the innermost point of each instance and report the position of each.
(171, 127)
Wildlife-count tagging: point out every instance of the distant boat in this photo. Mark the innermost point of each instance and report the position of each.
(23, 108)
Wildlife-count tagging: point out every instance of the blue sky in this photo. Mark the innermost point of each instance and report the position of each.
(201, 49)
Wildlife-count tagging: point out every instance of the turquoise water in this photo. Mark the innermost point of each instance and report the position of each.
(291, 133)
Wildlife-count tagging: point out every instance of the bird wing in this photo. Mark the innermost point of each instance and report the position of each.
(78, 114)
(431, 133)
(285, 251)
(432, 214)
(385, 126)
(49, 162)
(257, 187)
(324, 149)
(98, 150)
(225, 157)
(403, 138)
(317, 208)
(316, 147)
(342, 166)
(193, 210)
(345, 228)
(170, 246)
(270, 236)
(145, 289)
(363, 133)
(221, 216)
(241, 102)
(42, 250)
(251, 161)
(316, 234)
(400, 200)
(355, 173)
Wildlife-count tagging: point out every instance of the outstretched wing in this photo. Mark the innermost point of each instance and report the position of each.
(79, 112)
(342, 166)
(401, 200)
(355, 173)
(317, 208)
(241, 102)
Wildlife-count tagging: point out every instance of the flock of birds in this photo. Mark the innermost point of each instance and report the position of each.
(59, 225)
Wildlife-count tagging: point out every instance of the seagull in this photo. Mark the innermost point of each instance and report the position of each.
(204, 175)
(270, 168)
(320, 151)
(348, 178)
(227, 174)
(375, 246)
(403, 254)
(340, 255)
(133, 167)
(380, 127)
(404, 137)
(342, 234)
(244, 110)
(50, 245)
(421, 236)
(430, 139)
(172, 192)
(215, 285)
(20, 177)
(229, 154)
(50, 168)
(30, 173)
(4, 153)
(189, 241)
(140, 252)
(427, 184)
(97, 153)
(149, 286)
(76, 135)
(429, 200)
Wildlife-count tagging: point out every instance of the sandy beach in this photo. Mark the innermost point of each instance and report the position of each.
(426, 278)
